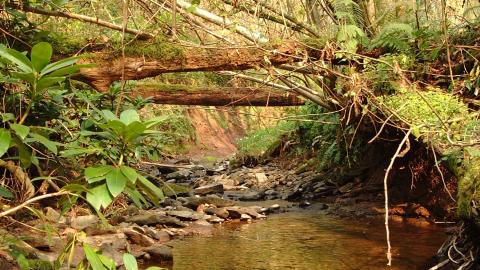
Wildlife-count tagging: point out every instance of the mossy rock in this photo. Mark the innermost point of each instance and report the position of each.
(469, 191)
(175, 190)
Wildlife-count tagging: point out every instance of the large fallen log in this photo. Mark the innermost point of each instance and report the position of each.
(218, 96)
(111, 68)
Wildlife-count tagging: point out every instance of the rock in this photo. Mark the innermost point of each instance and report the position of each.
(244, 195)
(53, 215)
(271, 192)
(234, 213)
(138, 237)
(83, 222)
(219, 212)
(161, 236)
(179, 175)
(111, 245)
(245, 217)
(304, 204)
(160, 253)
(209, 189)
(153, 219)
(194, 202)
(185, 215)
(261, 178)
(215, 219)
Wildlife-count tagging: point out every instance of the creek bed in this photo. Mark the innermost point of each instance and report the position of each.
(308, 240)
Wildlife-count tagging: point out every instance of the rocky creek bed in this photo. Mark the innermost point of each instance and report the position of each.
(200, 201)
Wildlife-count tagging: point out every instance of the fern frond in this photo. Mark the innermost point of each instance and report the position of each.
(395, 36)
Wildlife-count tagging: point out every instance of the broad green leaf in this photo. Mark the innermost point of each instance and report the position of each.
(68, 71)
(5, 139)
(130, 262)
(133, 130)
(108, 115)
(7, 117)
(108, 262)
(21, 130)
(17, 58)
(41, 55)
(129, 116)
(25, 76)
(5, 193)
(47, 82)
(58, 65)
(136, 197)
(129, 173)
(99, 196)
(23, 262)
(93, 258)
(116, 181)
(95, 174)
(116, 126)
(50, 145)
(153, 192)
(75, 188)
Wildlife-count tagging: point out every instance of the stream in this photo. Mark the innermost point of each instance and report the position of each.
(308, 239)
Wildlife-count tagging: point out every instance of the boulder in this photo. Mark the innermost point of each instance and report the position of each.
(209, 189)
(219, 212)
(244, 195)
(261, 178)
(138, 236)
(83, 222)
(245, 217)
(179, 175)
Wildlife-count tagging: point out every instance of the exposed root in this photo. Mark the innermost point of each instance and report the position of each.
(26, 188)
(461, 250)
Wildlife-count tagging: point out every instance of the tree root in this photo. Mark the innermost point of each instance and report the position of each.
(26, 188)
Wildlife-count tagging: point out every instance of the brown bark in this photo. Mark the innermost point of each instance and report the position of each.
(222, 96)
(108, 70)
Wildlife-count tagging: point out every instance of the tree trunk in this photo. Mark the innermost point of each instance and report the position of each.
(220, 96)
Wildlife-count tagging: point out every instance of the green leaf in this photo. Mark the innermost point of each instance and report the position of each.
(75, 188)
(47, 82)
(25, 76)
(5, 139)
(41, 55)
(116, 126)
(108, 115)
(153, 192)
(17, 58)
(136, 197)
(5, 193)
(130, 262)
(116, 181)
(108, 262)
(99, 196)
(129, 116)
(7, 117)
(21, 130)
(23, 262)
(95, 174)
(58, 65)
(93, 258)
(50, 145)
(155, 268)
(129, 173)
(133, 130)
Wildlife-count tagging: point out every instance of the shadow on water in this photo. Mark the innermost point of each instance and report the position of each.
(308, 240)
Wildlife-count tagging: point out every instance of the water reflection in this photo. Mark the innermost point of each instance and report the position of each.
(307, 240)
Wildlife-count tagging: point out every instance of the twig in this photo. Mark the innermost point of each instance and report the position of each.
(385, 188)
(32, 200)
(441, 175)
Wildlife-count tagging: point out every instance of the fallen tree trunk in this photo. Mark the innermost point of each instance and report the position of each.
(111, 68)
(220, 96)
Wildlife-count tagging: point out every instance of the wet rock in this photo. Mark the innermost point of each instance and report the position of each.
(219, 212)
(234, 213)
(138, 236)
(185, 215)
(179, 175)
(160, 253)
(244, 195)
(111, 245)
(161, 236)
(245, 217)
(215, 219)
(154, 219)
(209, 189)
(304, 204)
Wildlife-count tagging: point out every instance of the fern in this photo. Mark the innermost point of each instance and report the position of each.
(395, 36)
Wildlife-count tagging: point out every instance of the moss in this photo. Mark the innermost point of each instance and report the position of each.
(175, 190)
(156, 49)
(469, 190)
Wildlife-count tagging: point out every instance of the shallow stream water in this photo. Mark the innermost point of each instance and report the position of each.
(308, 240)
